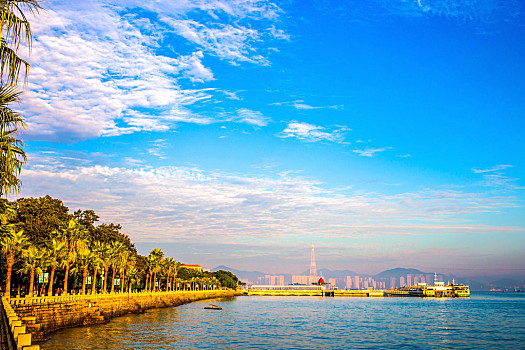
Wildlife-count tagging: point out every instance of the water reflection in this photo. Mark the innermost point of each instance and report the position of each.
(312, 322)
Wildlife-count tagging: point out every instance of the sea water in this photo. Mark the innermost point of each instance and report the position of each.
(483, 321)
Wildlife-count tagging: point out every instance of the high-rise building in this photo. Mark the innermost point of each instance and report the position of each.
(357, 281)
(402, 282)
(298, 279)
(409, 280)
(392, 282)
(313, 267)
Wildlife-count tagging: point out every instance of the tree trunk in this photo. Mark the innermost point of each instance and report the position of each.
(84, 280)
(10, 262)
(51, 278)
(147, 281)
(31, 281)
(93, 286)
(112, 280)
(155, 282)
(105, 289)
(66, 276)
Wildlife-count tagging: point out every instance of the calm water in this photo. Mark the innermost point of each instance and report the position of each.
(485, 321)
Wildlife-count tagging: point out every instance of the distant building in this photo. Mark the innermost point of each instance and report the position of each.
(392, 282)
(348, 284)
(271, 280)
(409, 280)
(192, 267)
(402, 282)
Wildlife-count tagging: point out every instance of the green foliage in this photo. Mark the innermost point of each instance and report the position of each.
(40, 217)
(108, 233)
(188, 274)
(86, 219)
(226, 278)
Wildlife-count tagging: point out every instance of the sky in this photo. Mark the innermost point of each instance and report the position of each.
(389, 133)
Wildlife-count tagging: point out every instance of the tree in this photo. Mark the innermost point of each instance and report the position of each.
(116, 251)
(31, 260)
(226, 278)
(157, 256)
(14, 30)
(73, 235)
(40, 217)
(84, 259)
(97, 249)
(12, 157)
(108, 233)
(12, 242)
(55, 250)
(86, 219)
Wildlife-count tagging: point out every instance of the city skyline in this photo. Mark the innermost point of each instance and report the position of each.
(237, 132)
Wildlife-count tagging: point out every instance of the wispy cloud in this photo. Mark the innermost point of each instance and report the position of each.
(157, 148)
(487, 12)
(370, 152)
(313, 133)
(104, 75)
(493, 169)
(301, 105)
(179, 203)
(250, 117)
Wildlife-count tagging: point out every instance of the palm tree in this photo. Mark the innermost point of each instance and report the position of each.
(168, 267)
(84, 258)
(14, 30)
(32, 258)
(55, 250)
(12, 242)
(97, 262)
(12, 157)
(105, 255)
(73, 235)
(150, 264)
(157, 255)
(134, 276)
(117, 249)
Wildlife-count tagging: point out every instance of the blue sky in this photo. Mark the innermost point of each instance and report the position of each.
(237, 132)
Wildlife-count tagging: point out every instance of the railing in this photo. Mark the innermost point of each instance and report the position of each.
(14, 331)
(6, 329)
(74, 297)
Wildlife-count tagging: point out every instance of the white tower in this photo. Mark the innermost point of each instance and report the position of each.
(313, 268)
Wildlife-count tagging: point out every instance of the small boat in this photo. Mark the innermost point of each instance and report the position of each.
(213, 307)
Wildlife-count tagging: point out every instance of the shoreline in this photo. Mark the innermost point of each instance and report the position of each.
(45, 315)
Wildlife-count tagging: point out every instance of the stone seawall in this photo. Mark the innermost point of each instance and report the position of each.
(41, 316)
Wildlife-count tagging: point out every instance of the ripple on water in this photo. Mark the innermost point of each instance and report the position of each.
(485, 321)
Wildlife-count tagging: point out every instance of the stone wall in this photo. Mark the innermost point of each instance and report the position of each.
(41, 316)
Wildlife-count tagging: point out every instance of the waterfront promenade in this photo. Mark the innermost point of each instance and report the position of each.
(39, 316)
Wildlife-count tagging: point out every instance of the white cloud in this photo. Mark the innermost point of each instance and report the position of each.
(301, 105)
(313, 133)
(490, 170)
(178, 203)
(248, 116)
(370, 152)
(103, 74)
(157, 148)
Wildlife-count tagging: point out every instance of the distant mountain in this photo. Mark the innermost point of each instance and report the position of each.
(333, 274)
(399, 272)
(244, 276)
